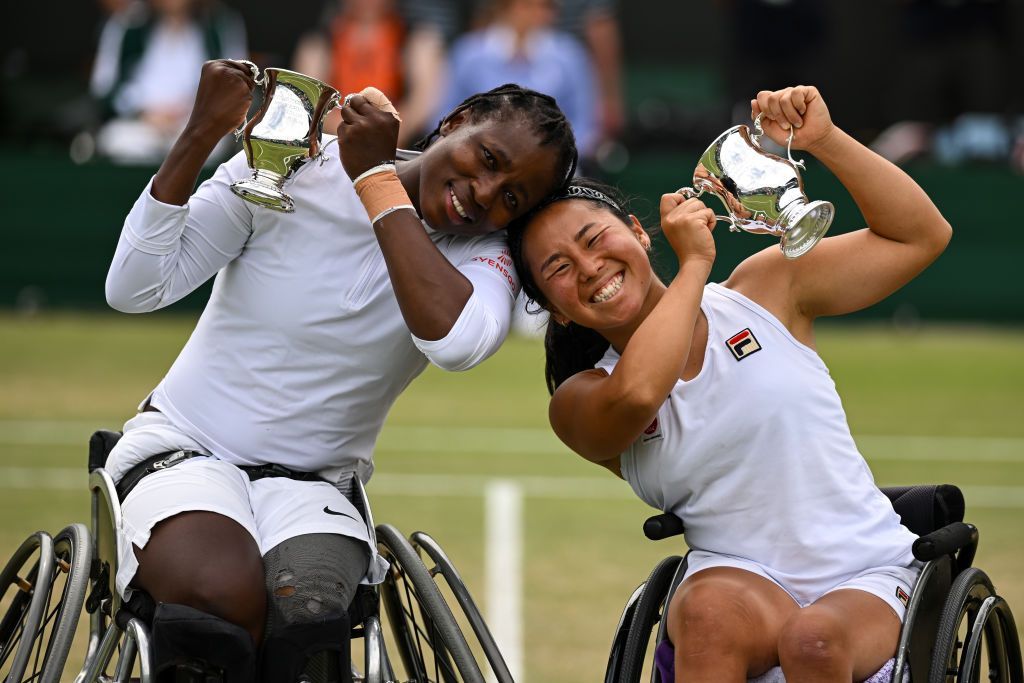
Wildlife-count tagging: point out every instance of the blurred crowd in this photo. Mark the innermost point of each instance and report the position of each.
(149, 55)
(948, 95)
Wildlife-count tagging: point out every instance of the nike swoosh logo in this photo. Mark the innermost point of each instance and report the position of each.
(329, 511)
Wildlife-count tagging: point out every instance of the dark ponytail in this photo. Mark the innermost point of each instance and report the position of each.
(571, 348)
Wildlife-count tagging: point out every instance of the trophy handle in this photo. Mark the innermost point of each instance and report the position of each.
(260, 82)
(759, 131)
(691, 193)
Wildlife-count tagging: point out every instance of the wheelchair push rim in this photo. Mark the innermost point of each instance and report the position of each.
(975, 621)
(25, 592)
(431, 647)
(647, 617)
(443, 569)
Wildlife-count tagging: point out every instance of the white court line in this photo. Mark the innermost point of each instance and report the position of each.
(539, 441)
(503, 571)
(467, 486)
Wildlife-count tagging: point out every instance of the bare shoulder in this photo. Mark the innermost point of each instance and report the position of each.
(576, 387)
(767, 278)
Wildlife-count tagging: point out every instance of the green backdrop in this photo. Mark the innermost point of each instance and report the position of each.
(62, 223)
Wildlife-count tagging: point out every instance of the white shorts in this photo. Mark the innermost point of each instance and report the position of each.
(272, 510)
(891, 584)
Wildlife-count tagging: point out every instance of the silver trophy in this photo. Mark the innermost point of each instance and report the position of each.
(283, 134)
(762, 192)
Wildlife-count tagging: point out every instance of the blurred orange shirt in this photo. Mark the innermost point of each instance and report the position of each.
(367, 54)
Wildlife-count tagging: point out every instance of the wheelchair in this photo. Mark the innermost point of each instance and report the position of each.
(49, 580)
(954, 618)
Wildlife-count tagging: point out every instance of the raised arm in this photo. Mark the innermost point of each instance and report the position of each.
(222, 100)
(173, 241)
(598, 415)
(431, 292)
(905, 231)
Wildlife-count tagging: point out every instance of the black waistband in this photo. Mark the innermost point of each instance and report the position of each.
(257, 472)
(163, 461)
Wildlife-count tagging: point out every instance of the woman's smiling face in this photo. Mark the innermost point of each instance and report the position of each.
(481, 175)
(591, 267)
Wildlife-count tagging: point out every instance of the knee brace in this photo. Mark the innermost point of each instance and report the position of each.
(310, 582)
(189, 644)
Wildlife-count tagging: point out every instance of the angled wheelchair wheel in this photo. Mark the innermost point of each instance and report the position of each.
(647, 615)
(614, 668)
(977, 637)
(72, 551)
(24, 593)
(442, 569)
(431, 648)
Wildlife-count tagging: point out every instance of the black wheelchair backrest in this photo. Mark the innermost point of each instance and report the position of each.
(100, 444)
(926, 508)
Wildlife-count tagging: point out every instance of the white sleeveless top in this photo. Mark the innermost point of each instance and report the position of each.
(754, 454)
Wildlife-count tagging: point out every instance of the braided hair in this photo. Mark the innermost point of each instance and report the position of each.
(570, 348)
(539, 110)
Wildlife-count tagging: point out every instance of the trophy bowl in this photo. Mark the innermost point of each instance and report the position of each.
(283, 134)
(762, 193)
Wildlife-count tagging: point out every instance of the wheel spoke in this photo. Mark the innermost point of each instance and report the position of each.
(37, 644)
(425, 634)
(12, 645)
(58, 608)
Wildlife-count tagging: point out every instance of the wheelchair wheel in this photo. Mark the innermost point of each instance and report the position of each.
(24, 594)
(647, 615)
(431, 647)
(614, 667)
(976, 625)
(72, 550)
(445, 569)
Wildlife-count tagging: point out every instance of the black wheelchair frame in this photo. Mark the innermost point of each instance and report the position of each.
(953, 610)
(48, 581)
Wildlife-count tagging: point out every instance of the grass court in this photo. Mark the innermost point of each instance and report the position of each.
(927, 405)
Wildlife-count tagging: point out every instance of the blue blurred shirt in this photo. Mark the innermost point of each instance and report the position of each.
(552, 62)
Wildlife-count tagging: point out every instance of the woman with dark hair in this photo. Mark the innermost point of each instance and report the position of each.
(797, 559)
(317, 321)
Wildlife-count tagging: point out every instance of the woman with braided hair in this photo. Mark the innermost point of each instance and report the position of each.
(317, 321)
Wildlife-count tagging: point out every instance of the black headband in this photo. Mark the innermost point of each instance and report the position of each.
(583, 192)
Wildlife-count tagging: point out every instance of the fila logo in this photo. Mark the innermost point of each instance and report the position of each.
(902, 596)
(743, 344)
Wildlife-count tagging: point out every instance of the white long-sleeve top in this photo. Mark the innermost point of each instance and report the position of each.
(301, 349)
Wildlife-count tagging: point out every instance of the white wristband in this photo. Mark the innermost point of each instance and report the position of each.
(379, 168)
(387, 212)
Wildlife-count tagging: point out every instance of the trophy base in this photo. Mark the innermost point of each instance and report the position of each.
(807, 225)
(264, 189)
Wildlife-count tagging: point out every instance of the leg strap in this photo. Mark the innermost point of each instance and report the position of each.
(189, 644)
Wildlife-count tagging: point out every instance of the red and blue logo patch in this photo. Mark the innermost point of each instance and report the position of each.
(743, 344)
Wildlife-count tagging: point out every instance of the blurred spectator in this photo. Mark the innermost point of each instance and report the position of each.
(147, 69)
(370, 42)
(949, 95)
(595, 23)
(521, 45)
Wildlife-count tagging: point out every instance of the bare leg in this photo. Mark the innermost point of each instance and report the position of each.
(725, 624)
(209, 562)
(845, 635)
